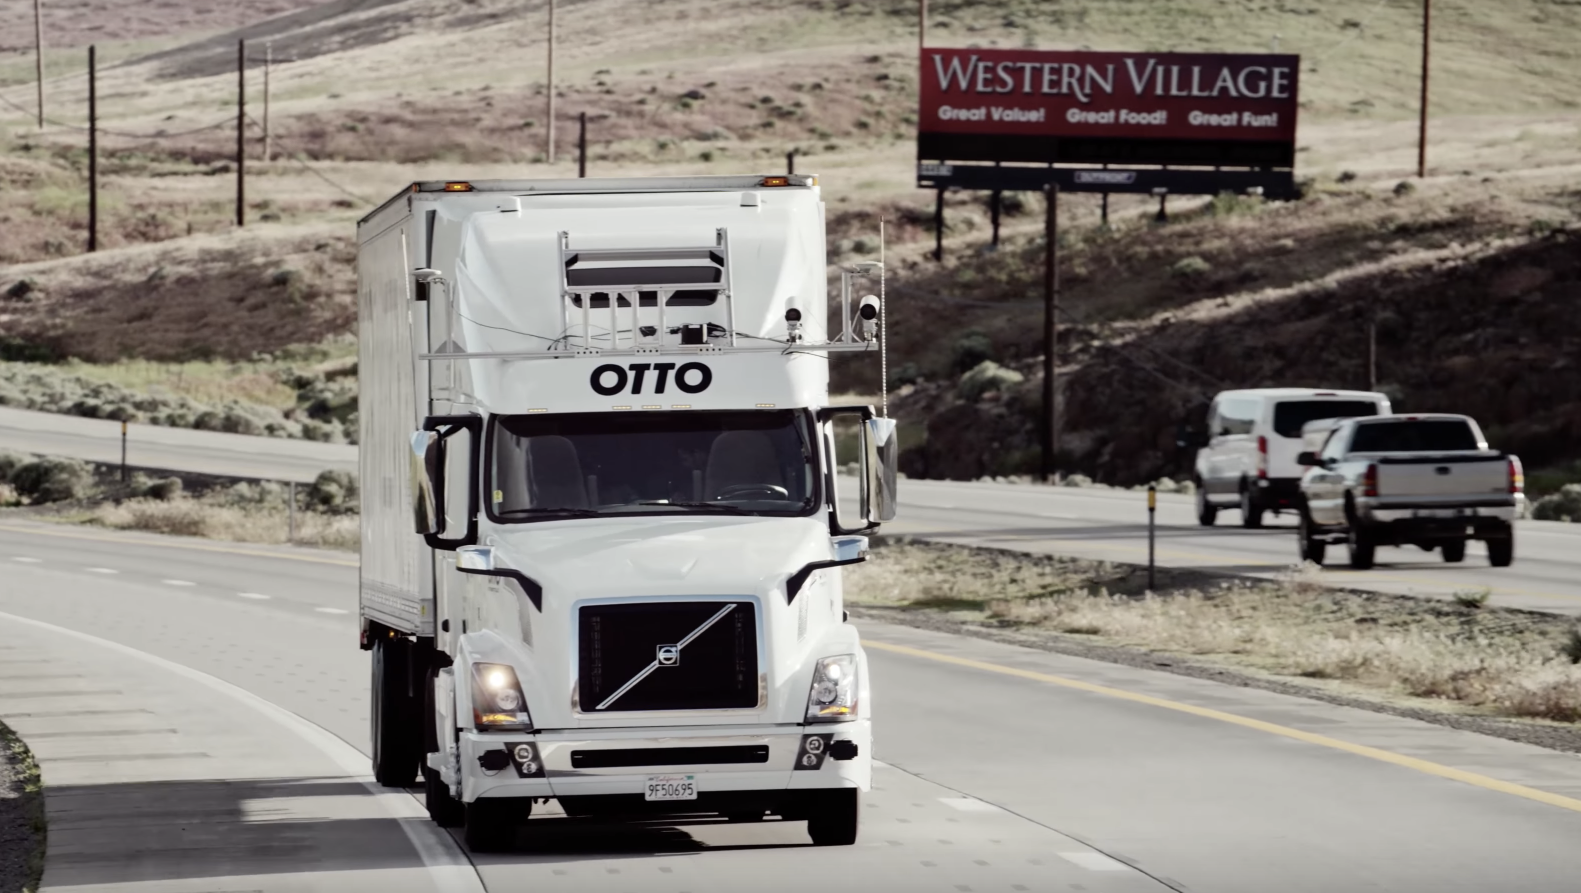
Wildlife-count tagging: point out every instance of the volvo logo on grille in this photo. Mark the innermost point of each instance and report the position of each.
(669, 655)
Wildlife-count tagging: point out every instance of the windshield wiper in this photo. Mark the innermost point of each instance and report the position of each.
(578, 513)
(712, 506)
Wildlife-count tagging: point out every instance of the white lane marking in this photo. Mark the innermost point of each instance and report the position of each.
(178, 582)
(1095, 861)
(257, 595)
(1060, 515)
(330, 611)
(102, 570)
(446, 864)
(28, 560)
(969, 804)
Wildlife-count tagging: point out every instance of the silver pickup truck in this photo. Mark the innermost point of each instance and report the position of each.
(1423, 480)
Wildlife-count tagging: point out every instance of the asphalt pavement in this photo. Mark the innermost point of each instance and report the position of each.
(1091, 523)
(200, 714)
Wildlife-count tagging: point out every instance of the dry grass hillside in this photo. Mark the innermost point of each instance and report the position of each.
(367, 95)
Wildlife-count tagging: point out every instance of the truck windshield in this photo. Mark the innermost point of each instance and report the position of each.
(747, 463)
(1290, 415)
(1422, 436)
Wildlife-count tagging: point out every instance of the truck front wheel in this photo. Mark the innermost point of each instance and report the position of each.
(396, 736)
(491, 823)
(1454, 551)
(833, 819)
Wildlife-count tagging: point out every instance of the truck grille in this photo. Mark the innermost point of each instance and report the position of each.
(667, 656)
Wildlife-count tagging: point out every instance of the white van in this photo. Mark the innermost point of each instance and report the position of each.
(1253, 439)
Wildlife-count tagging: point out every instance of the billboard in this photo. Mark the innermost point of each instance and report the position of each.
(1080, 107)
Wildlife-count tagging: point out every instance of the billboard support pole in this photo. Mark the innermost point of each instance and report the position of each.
(1050, 333)
(938, 226)
(922, 24)
(993, 213)
(1421, 127)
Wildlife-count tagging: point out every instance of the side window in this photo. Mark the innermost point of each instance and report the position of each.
(1334, 447)
(1238, 416)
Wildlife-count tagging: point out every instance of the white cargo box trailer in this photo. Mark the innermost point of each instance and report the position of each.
(601, 529)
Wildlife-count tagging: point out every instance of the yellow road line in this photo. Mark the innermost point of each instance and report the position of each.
(192, 547)
(1361, 750)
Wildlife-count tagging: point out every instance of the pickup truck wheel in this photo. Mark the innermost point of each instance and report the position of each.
(1251, 510)
(1362, 549)
(1501, 550)
(396, 736)
(1311, 549)
(1207, 512)
(1454, 551)
(491, 823)
(833, 819)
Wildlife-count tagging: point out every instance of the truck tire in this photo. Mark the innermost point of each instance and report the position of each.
(445, 810)
(1362, 549)
(491, 823)
(1311, 548)
(1207, 512)
(1251, 509)
(834, 818)
(396, 735)
(1454, 551)
(1501, 550)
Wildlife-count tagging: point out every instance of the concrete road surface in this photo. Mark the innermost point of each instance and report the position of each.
(200, 713)
(171, 449)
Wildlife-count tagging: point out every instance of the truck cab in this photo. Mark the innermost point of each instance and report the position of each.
(604, 517)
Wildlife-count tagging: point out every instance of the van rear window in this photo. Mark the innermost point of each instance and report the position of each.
(1290, 415)
(1425, 436)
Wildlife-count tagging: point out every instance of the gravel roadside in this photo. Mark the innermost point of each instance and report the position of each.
(1554, 736)
(21, 817)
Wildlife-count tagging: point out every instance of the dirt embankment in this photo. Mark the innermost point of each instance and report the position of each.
(1494, 332)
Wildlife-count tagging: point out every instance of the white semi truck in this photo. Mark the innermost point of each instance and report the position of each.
(602, 515)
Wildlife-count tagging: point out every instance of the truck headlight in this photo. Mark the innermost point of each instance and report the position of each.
(497, 701)
(833, 694)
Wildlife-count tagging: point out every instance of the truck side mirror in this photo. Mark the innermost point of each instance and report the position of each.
(445, 480)
(1308, 459)
(426, 461)
(883, 456)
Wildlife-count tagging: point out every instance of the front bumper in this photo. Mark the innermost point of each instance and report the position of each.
(569, 763)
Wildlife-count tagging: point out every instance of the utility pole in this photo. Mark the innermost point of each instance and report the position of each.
(1421, 129)
(38, 55)
(93, 150)
(241, 133)
(268, 134)
(549, 152)
(581, 145)
(1050, 333)
(790, 162)
(1372, 351)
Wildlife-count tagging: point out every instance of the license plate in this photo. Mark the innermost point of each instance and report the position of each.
(671, 787)
(1442, 513)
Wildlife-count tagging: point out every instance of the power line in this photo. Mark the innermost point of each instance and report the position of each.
(121, 133)
(296, 156)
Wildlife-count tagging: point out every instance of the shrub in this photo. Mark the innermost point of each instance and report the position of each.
(1404, 187)
(10, 462)
(1190, 267)
(1562, 506)
(988, 376)
(53, 479)
(970, 350)
(165, 490)
(333, 491)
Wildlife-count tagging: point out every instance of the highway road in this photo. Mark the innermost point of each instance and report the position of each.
(171, 449)
(1091, 523)
(200, 714)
